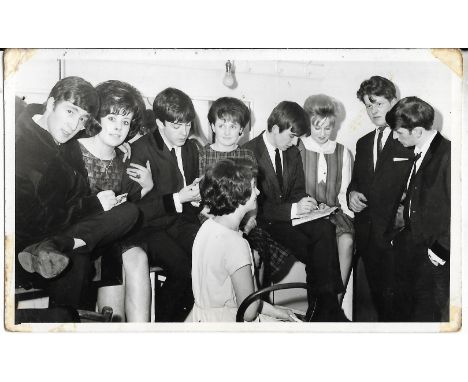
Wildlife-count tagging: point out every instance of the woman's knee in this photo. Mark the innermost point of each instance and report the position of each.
(346, 240)
(135, 259)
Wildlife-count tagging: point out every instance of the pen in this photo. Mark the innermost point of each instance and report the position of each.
(316, 206)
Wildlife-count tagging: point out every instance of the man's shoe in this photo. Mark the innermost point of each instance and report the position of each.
(328, 310)
(43, 258)
(340, 316)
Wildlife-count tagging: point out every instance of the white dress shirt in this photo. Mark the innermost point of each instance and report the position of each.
(385, 135)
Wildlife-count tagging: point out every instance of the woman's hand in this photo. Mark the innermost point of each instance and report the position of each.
(283, 314)
(126, 149)
(322, 206)
(142, 175)
(250, 225)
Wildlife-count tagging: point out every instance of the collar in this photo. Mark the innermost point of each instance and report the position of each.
(167, 143)
(426, 145)
(269, 146)
(327, 148)
(386, 127)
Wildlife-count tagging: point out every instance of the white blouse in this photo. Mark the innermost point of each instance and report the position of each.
(329, 148)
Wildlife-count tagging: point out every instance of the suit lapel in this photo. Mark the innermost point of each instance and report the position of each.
(265, 162)
(368, 157)
(167, 154)
(287, 159)
(386, 152)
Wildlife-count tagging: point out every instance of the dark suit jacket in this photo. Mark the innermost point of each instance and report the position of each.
(382, 188)
(50, 195)
(274, 206)
(430, 200)
(157, 206)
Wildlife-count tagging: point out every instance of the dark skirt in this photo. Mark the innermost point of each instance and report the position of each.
(342, 222)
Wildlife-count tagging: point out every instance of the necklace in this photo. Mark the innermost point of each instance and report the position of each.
(107, 166)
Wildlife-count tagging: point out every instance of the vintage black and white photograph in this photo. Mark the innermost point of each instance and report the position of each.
(233, 190)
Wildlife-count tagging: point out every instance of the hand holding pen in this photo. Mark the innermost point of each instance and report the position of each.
(306, 205)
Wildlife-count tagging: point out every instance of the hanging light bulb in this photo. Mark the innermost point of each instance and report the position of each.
(229, 80)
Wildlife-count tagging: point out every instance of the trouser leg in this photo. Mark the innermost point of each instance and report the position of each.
(314, 244)
(72, 286)
(164, 251)
(387, 277)
(430, 291)
(106, 227)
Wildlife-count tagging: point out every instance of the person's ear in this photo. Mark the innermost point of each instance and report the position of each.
(212, 128)
(417, 131)
(241, 131)
(275, 129)
(50, 104)
(393, 102)
(159, 124)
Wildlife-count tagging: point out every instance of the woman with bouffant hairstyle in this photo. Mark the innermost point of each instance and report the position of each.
(120, 116)
(327, 167)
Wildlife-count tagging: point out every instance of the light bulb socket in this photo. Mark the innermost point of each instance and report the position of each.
(229, 79)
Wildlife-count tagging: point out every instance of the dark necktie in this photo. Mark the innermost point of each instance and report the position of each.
(279, 169)
(379, 141)
(409, 188)
(174, 156)
(179, 173)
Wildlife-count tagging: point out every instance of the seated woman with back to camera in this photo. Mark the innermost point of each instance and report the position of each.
(222, 271)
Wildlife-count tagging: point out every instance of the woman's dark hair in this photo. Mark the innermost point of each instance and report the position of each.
(173, 105)
(290, 115)
(409, 113)
(231, 109)
(77, 91)
(149, 124)
(226, 185)
(120, 98)
(377, 86)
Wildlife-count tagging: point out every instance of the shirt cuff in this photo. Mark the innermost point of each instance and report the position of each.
(177, 203)
(294, 211)
(436, 258)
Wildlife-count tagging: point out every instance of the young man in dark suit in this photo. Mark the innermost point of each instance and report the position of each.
(423, 243)
(170, 212)
(379, 173)
(283, 197)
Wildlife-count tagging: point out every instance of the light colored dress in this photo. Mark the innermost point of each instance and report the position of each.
(217, 253)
